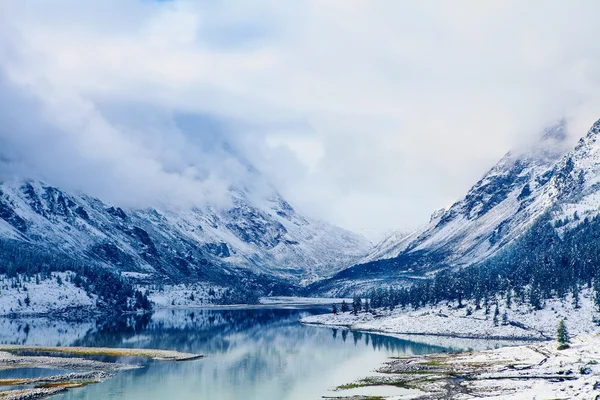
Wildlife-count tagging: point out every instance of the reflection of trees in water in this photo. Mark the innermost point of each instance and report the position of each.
(184, 330)
(220, 331)
(244, 345)
(111, 332)
(388, 343)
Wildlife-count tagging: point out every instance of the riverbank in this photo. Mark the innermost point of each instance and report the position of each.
(533, 371)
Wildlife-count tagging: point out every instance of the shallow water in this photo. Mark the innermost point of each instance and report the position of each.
(251, 354)
(20, 373)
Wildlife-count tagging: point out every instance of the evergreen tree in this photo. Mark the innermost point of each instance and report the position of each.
(576, 299)
(356, 305)
(535, 297)
(335, 309)
(509, 298)
(496, 314)
(345, 307)
(27, 300)
(597, 293)
(505, 318)
(562, 335)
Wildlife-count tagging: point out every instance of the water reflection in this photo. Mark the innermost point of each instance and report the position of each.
(252, 354)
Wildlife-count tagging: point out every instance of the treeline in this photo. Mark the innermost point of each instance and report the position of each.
(237, 295)
(115, 293)
(538, 266)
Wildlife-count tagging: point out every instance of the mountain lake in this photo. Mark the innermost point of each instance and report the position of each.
(251, 353)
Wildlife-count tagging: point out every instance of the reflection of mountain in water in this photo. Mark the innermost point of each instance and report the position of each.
(213, 331)
(252, 354)
(216, 331)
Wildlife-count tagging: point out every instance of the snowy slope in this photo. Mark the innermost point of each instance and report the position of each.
(43, 296)
(495, 210)
(498, 209)
(266, 237)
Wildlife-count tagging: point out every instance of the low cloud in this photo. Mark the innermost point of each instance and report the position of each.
(368, 114)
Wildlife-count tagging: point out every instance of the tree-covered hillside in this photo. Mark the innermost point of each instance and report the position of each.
(543, 263)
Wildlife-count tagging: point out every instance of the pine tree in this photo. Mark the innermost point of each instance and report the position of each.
(27, 300)
(597, 294)
(535, 297)
(508, 298)
(486, 304)
(496, 314)
(345, 307)
(576, 299)
(335, 309)
(505, 318)
(562, 335)
(356, 305)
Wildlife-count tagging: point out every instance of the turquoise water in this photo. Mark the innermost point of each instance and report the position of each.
(251, 354)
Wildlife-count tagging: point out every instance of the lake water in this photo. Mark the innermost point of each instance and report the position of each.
(251, 354)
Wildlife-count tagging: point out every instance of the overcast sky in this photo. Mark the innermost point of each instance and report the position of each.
(369, 114)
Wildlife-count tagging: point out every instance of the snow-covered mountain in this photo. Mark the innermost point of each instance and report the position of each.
(265, 238)
(499, 208)
(496, 209)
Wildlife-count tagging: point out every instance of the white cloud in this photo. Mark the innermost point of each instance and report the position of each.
(367, 113)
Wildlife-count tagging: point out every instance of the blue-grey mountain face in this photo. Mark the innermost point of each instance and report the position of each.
(249, 240)
(498, 209)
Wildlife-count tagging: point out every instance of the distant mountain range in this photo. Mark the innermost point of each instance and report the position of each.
(265, 241)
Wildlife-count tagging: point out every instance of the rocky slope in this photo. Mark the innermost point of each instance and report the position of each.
(497, 210)
(264, 240)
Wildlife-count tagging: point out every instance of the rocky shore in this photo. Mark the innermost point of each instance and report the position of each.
(17, 357)
(532, 371)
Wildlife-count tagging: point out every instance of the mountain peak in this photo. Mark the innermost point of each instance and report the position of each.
(557, 132)
(595, 129)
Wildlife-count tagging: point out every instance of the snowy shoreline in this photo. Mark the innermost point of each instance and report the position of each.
(531, 371)
(519, 322)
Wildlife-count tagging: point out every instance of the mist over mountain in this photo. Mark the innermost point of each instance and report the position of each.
(549, 180)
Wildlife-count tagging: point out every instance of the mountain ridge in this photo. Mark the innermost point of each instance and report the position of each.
(199, 243)
(499, 208)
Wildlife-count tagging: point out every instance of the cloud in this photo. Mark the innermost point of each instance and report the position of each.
(368, 114)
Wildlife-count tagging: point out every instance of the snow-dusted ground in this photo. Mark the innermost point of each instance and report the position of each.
(46, 296)
(301, 301)
(184, 296)
(579, 364)
(205, 295)
(533, 371)
(449, 320)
